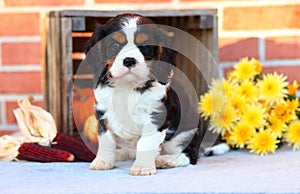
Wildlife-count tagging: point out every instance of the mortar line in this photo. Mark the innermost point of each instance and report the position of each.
(21, 68)
(261, 49)
(15, 97)
(3, 113)
(20, 39)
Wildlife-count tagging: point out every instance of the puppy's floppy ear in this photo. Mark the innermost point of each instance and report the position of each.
(165, 51)
(97, 36)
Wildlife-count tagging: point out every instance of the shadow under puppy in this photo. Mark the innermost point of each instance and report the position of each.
(139, 116)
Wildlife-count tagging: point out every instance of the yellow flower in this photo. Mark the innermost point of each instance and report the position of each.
(238, 102)
(292, 135)
(206, 105)
(231, 76)
(241, 134)
(227, 138)
(222, 121)
(244, 69)
(257, 65)
(211, 102)
(293, 105)
(228, 88)
(272, 87)
(248, 90)
(281, 110)
(293, 88)
(254, 115)
(276, 126)
(263, 142)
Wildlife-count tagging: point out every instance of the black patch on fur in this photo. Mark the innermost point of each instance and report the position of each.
(102, 79)
(145, 87)
(172, 106)
(101, 124)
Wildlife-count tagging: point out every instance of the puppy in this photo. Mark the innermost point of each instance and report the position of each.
(140, 115)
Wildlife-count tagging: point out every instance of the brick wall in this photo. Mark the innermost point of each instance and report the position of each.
(268, 30)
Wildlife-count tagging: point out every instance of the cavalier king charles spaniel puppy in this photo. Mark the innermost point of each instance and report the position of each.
(140, 117)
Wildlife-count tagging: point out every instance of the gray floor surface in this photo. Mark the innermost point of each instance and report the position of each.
(234, 172)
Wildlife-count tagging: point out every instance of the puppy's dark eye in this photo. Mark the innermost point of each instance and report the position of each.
(147, 50)
(113, 49)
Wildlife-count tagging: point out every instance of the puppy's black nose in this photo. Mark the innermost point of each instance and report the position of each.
(129, 62)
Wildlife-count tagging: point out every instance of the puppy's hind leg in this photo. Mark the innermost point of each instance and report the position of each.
(171, 161)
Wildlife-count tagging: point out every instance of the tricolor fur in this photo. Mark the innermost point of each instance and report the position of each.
(138, 114)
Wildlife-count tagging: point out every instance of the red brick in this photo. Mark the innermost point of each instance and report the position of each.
(10, 106)
(21, 53)
(283, 47)
(131, 1)
(43, 2)
(260, 18)
(19, 24)
(292, 72)
(234, 49)
(10, 117)
(0, 114)
(20, 82)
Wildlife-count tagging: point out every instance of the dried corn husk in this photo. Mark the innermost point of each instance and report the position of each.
(9, 147)
(36, 124)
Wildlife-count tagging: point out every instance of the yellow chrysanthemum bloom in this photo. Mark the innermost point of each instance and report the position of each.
(273, 87)
(228, 88)
(238, 102)
(227, 138)
(281, 110)
(276, 126)
(211, 102)
(263, 142)
(293, 105)
(241, 134)
(244, 69)
(293, 88)
(232, 76)
(248, 90)
(206, 105)
(257, 65)
(254, 115)
(222, 121)
(292, 135)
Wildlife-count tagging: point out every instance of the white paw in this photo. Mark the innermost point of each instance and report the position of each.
(139, 170)
(99, 164)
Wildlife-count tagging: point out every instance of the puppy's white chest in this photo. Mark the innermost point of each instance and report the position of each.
(129, 111)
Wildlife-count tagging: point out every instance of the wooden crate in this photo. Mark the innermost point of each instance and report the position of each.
(67, 31)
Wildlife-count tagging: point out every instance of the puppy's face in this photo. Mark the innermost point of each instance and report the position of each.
(130, 45)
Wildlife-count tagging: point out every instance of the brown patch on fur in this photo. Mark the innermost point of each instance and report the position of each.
(140, 38)
(110, 62)
(118, 36)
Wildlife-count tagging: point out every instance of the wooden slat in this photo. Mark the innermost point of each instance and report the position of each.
(147, 13)
(67, 76)
(78, 56)
(53, 97)
(45, 38)
(82, 34)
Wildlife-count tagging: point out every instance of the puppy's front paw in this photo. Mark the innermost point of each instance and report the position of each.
(99, 164)
(140, 170)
